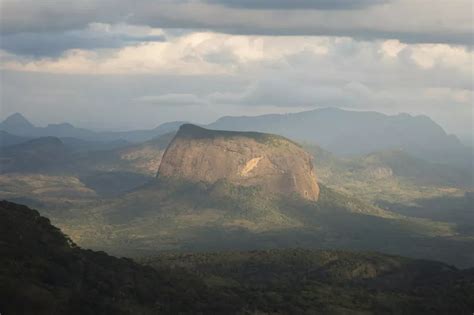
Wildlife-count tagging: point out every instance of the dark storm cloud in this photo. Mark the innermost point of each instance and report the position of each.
(429, 21)
(19, 16)
(53, 44)
(298, 4)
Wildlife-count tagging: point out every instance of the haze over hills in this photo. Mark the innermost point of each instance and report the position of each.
(206, 197)
(109, 168)
(17, 124)
(349, 133)
(110, 198)
(50, 154)
(33, 155)
(382, 167)
(7, 139)
(250, 198)
(345, 133)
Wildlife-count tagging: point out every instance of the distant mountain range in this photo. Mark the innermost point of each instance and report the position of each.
(349, 133)
(253, 197)
(93, 194)
(345, 133)
(18, 125)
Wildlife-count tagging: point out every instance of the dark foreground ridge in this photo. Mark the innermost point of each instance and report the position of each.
(43, 272)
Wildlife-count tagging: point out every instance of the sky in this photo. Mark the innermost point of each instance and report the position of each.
(135, 64)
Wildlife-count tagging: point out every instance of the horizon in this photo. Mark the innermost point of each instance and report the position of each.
(467, 139)
(61, 122)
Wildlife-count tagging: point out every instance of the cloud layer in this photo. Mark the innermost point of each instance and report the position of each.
(136, 64)
(436, 21)
(216, 74)
(94, 36)
(298, 4)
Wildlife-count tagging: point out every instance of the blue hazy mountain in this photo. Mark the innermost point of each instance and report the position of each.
(17, 124)
(349, 133)
(343, 132)
(7, 139)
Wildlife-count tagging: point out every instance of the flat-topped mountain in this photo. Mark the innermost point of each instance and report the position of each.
(272, 162)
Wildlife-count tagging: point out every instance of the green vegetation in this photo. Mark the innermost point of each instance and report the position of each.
(454, 209)
(226, 249)
(300, 281)
(178, 215)
(100, 199)
(43, 272)
(196, 132)
(390, 176)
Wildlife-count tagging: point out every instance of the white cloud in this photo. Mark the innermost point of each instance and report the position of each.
(215, 74)
(213, 53)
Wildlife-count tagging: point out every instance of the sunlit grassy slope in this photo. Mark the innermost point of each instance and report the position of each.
(385, 201)
(177, 215)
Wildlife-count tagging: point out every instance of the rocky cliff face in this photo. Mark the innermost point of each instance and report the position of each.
(243, 158)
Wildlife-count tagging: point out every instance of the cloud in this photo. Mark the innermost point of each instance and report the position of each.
(436, 21)
(282, 92)
(135, 101)
(200, 76)
(324, 59)
(187, 54)
(298, 4)
(173, 99)
(95, 36)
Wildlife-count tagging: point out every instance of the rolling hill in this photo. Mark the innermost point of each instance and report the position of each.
(391, 175)
(109, 199)
(7, 139)
(33, 155)
(109, 168)
(180, 215)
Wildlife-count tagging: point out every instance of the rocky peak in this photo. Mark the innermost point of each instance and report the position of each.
(274, 163)
(16, 122)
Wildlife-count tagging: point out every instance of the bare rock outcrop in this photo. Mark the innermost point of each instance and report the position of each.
(274, 163)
